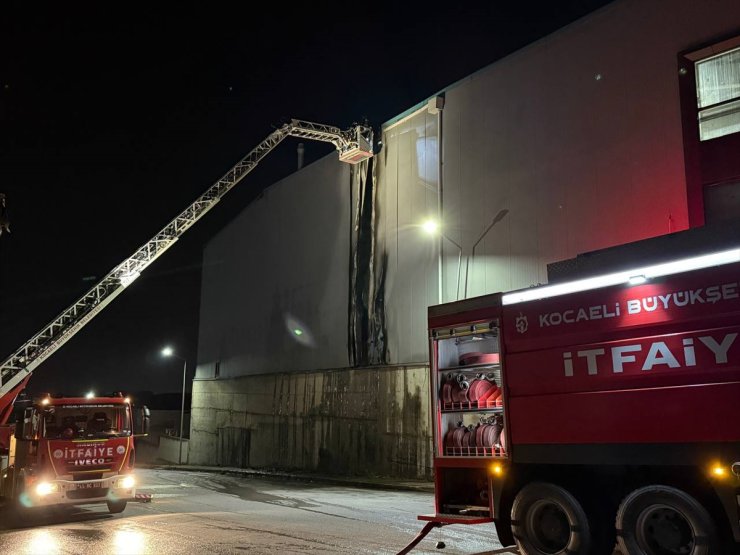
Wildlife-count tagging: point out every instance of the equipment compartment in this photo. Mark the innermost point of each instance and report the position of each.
(469, 393)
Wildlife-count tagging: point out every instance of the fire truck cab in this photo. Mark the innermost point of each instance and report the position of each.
(72, 451)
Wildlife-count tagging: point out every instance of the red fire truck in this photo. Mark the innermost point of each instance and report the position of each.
(573, 413)
(70, 451)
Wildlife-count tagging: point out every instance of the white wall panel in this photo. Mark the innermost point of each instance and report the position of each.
(408, 185)
(451, 200)
(281, 264)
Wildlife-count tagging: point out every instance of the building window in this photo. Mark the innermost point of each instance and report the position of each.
(718, 94)
(709, 89)
(217, 369)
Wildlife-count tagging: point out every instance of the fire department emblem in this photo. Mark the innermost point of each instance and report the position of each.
(521, 323)
(120, 449)
(58, 453)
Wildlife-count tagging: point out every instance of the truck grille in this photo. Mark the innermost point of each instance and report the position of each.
(72, 469)
(87, 476)
(88, 493)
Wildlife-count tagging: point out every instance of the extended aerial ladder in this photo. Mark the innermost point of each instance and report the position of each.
(354, 145)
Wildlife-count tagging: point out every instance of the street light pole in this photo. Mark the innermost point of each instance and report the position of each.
(182, 407)
(496, 220)
(459, 265)
(169, 352)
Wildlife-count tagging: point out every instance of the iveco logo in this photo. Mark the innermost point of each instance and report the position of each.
(521, 323)
(58, 453)
(120, 449)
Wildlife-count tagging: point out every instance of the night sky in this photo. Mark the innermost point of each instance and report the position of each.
(114, 117)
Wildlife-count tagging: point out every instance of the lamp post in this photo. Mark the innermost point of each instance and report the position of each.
(432, 228)
(497, 219)
(169, 352)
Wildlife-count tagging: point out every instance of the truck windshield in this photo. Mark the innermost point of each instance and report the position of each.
(86, 421)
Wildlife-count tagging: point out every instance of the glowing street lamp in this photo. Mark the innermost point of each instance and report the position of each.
(170, 352)
(432, 227)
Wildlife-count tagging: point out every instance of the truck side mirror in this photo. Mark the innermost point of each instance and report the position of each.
(142, 418)
(27, 428)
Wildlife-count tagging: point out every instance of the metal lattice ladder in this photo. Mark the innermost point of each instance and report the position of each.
(353, 145)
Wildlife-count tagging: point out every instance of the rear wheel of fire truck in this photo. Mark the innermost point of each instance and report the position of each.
(116, 506)
(547, 520)
(661, 520)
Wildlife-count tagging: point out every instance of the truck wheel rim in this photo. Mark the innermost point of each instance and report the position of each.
(548, 527)
(662, 530)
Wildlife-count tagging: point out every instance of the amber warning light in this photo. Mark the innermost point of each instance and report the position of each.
(719, 471)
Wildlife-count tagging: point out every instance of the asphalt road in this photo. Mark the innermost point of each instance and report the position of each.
(197, 512)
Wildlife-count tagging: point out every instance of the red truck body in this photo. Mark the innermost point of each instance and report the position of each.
(658, 363)
(606, 391)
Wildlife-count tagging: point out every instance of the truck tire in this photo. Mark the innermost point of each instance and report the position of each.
(19, 512)
(547, 520)
(661, 520)
(115, 507)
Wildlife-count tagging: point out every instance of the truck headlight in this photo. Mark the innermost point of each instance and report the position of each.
(45, 488)
(127, 483)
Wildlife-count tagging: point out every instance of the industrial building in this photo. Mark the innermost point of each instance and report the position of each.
(313, 351)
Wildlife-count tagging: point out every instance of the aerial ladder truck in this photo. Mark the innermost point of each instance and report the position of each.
(80, 450)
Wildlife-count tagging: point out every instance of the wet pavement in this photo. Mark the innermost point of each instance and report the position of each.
(203, 512)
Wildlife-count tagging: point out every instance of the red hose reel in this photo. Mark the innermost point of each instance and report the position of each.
(480, 392)
(483, 439)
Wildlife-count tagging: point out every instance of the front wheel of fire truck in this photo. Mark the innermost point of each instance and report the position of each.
(17, 511)
(547, 520)
(116, 506)
(661, 520)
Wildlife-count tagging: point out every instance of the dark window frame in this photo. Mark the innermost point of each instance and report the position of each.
(707, 162)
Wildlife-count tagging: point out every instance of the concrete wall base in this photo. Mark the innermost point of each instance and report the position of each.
(369, 421)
